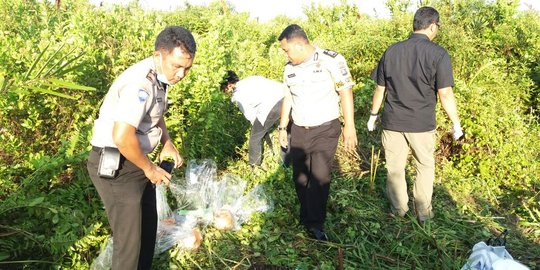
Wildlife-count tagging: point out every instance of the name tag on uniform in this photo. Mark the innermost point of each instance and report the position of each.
(292, 75)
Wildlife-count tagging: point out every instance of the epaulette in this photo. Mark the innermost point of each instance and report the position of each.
(330, 53)
(151, 76)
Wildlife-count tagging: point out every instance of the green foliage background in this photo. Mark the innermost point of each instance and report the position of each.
(57, 64)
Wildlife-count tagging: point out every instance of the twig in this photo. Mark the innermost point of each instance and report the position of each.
(374, 164)
(340, 259)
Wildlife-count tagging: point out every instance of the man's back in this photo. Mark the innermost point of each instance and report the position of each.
(412, 71)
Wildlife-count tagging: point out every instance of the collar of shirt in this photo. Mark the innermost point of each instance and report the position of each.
(311, 59)
(418, 35)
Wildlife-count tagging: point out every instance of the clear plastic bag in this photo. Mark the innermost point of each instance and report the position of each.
(162, 206)
(227, 191)
(104, 259)
(202, 198)
(196, 190)
(255, 201)
(174, 229)
(181, 231)
(222, 202)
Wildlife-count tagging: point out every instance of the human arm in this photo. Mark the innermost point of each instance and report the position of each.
(448, 102)
(125, 138)
(378, 98)
(168, 150)
(284, 120)
(349, 130)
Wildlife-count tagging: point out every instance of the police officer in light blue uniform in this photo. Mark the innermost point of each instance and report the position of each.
(318, 81)
(131, 123)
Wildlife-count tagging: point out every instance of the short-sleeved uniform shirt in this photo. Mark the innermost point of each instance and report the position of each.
(255, 96)
(135, 98)
(412, 70)
(313, 85)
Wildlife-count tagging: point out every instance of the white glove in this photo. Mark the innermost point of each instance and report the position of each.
(371, 122)
(458, 133)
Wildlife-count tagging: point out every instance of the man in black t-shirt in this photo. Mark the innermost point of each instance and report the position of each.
(413, 73)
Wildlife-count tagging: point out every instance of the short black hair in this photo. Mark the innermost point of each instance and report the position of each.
(293, 31)
(424, 17)
(175, 36)
(230, 77)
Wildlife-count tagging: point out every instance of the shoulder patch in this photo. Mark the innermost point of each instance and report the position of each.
(143, 95)
(330, 53)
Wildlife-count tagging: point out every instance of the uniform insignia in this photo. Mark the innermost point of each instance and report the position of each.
(159, 99)
(339, 84)
(330, 53)
(344, 71)
(143, 95)
(292, 75)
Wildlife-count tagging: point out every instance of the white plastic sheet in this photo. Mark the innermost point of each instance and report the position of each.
(485, 257)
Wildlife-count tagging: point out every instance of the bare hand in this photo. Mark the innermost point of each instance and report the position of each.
(157, 175)
(283, 138)
(169, 151)
(349, 138)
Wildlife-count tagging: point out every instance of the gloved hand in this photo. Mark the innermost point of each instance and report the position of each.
(458, 133)
(371, 122)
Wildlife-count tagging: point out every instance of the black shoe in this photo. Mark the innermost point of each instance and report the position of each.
(317, 234)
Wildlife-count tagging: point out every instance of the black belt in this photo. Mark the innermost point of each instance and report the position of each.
(98, 149)
(323, 124)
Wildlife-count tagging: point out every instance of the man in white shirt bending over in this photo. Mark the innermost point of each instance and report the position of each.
(259, 99)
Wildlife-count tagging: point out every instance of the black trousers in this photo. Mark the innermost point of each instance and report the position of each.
(261, 131)
(130, 203)
(312, 153)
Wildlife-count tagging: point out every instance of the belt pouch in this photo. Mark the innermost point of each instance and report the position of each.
(109, 162)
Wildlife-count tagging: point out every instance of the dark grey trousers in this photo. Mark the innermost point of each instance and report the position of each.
(130, 203)
(260, 132)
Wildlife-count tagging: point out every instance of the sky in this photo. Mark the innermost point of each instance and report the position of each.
(265, 10)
